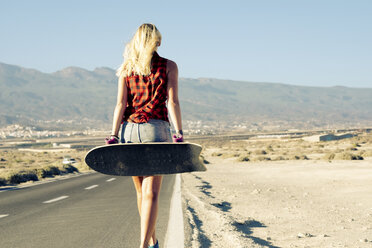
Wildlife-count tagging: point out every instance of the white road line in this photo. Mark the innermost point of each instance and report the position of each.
(111, 179)
(92, 187)
(3, 215)
(56, 199)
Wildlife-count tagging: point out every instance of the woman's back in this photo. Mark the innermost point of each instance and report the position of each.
(147, 95)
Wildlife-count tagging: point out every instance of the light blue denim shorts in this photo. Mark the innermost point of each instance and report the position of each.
(151, 131)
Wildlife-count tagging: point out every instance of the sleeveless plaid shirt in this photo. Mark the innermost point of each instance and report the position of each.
(147, 95)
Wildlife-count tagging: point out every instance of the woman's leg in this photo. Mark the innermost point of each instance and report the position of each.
(138, 185)
(149, 208)
(137, 180)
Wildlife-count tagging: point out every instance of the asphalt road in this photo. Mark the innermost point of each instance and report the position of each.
(92, 210)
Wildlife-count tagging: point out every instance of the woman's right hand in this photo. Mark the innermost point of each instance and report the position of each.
(177, 138)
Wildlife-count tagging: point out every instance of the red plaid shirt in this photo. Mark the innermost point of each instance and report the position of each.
(147, 95)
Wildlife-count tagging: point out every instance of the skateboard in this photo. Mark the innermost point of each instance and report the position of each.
(144, 159)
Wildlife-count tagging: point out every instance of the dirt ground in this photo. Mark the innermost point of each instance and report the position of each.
(285, 203)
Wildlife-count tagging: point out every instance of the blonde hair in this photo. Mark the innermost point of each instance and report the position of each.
(138, 52)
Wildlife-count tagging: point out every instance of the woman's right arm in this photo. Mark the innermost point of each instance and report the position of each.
(121, 104)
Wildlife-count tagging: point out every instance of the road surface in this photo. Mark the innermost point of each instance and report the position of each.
(92, 210)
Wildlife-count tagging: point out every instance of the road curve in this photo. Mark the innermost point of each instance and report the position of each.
(92, 210)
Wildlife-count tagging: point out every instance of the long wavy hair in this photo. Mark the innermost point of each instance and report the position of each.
(138, 52)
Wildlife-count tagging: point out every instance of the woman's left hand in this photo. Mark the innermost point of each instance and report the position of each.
(112, 139)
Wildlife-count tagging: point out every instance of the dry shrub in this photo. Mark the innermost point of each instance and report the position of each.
(36, 174)
(329, 156)
(49, 171)
(260, 152)
(367, 153)
(348, 156)
(270, 148)
(230, 155)
(69, 168)
(278, 158)
(216, 154)
(16, 178)
(300, 157)
(82, 167)
(203, 160)
(262, 158)
(344, 156)
(243, 159)
(2, 181)
(54, 170)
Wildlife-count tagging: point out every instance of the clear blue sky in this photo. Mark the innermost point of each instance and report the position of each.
(314, 42)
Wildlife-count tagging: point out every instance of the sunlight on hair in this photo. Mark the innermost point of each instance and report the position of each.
(138, 52)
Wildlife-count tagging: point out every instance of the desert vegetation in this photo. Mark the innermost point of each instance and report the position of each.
(251, 150)
(301, 192)
(18, 166)
(22, 166)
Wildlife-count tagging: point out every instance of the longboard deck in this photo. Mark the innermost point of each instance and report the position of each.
(143, 159)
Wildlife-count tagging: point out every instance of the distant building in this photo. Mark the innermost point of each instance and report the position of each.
(328, 137)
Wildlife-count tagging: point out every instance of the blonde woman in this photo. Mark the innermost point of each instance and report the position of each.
(147, 89)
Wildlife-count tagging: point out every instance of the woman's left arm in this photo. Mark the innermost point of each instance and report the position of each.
(121, 104)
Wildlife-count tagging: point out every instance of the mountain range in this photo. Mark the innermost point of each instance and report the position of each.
(88, 97)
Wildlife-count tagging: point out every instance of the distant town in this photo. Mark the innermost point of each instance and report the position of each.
(190, 128)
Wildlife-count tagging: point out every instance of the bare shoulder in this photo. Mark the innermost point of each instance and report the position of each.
(171, 66)
(121, 79)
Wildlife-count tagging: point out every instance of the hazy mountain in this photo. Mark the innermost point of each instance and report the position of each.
(78, 94)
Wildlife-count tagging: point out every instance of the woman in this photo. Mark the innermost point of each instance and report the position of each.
(146, 83)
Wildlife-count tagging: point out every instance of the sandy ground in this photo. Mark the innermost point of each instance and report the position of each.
(303, 203)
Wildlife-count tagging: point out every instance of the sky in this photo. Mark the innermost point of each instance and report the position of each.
(299, 42)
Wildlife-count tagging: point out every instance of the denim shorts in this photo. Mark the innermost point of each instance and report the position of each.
(151, 131)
